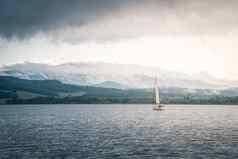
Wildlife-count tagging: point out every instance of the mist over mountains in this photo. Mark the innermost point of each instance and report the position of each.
(35, 83)
(110, 75)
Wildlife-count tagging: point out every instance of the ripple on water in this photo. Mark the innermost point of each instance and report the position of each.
(118, 131)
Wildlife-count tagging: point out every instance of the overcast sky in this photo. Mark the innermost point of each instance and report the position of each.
(183, 35)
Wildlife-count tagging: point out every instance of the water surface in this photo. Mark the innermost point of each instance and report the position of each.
(118, 131)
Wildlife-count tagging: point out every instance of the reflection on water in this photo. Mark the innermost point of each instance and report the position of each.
(118, 131)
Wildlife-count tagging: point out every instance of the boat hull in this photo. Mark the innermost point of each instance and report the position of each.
(158, 107)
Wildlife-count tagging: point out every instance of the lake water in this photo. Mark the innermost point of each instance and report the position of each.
(118, 131)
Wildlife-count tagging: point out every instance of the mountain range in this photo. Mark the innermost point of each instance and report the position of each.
(109, 75)
(21, 91)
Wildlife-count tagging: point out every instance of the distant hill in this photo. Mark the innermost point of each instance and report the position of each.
(12, 88)
(21, 91)
(111, 84)
(52, 87)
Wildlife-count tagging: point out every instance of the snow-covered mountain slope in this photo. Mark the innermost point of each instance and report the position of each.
(133, 76)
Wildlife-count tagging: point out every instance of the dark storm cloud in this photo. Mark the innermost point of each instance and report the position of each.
(24, 18)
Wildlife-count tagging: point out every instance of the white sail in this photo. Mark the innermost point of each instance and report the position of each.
(157, 98)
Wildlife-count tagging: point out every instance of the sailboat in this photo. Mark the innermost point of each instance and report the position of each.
(157, 106)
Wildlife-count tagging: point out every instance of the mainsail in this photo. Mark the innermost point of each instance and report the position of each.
(156, 87)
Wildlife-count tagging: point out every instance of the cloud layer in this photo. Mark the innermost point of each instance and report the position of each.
(78, 20)
(26, 17)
